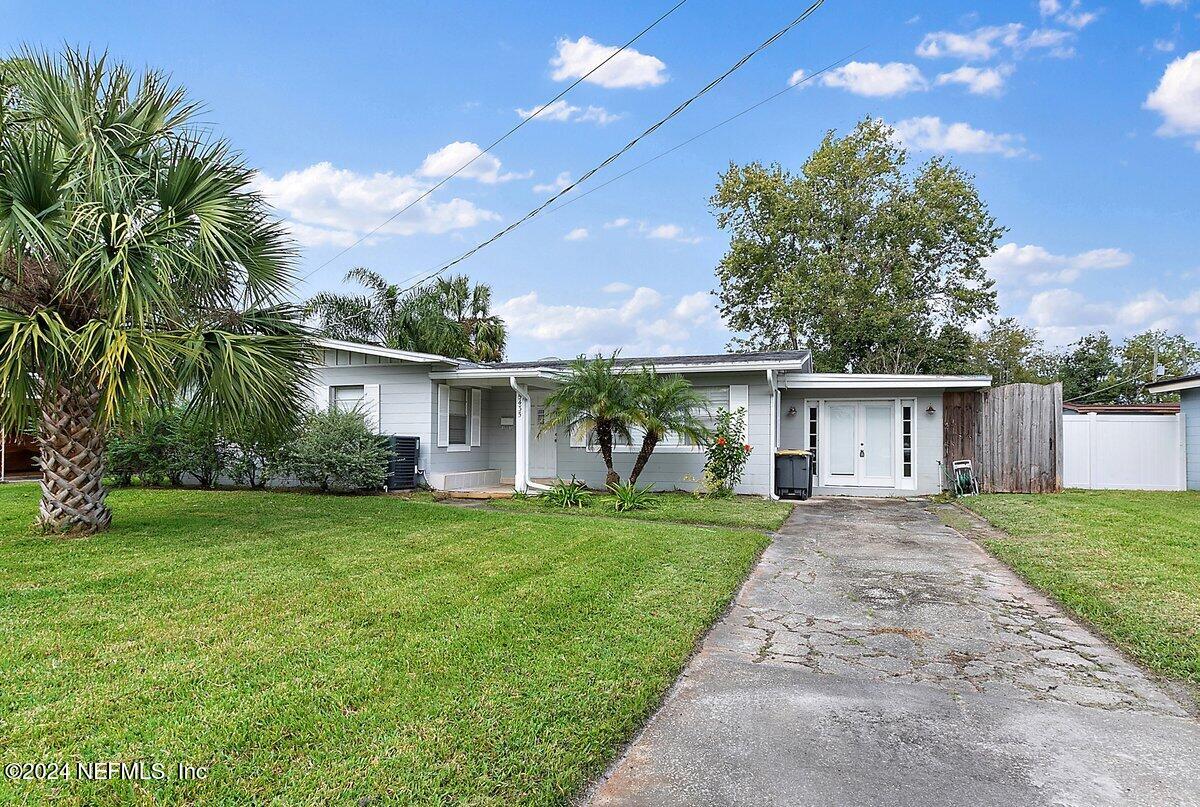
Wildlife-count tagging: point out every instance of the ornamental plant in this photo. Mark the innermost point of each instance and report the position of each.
(727, 453)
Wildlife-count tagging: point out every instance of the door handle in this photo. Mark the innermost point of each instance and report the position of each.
(861, 453)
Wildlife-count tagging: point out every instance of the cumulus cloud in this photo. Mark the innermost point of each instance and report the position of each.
(645, 322)
(875, 80)
(578, 234)
(1177, 97)
(977, 80)
(629, 68)
(563, 112)
(930, 133)
(1071, 14)
(560, 182)
(335, 206)
(616, 223)
(450, 158)
(1168, 3)
(796, 77)
(668, 232)
(1035, 265)
(1064, 315)
(984, 43)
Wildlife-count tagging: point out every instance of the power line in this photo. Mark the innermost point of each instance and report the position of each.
(496, 142)
(612, 158)
(1126, 380)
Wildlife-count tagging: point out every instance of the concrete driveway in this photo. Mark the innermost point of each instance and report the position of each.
(876, 657)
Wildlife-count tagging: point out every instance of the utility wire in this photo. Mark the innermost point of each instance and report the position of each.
(497, 141)
(612, 158)
(1126, 380)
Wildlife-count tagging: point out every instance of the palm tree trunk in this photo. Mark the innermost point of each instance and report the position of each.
(605, 437)
(648, 444)
(72, 455)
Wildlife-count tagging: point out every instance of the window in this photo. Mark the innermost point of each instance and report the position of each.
(346, 399)
(906, 437)
(812, 429)
(716, 398)
(458, 416)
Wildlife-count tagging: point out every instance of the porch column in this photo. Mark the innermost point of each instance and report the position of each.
(521, 473)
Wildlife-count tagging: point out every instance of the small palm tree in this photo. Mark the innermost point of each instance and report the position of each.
(596, 397)
(450, 317)
(137, 267)
(663, 405)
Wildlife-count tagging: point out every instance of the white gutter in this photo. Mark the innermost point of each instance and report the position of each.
(521, 480)
(772, 434)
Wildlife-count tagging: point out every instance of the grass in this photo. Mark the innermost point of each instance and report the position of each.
(748, 512)
(1127, 561)
(317, 649)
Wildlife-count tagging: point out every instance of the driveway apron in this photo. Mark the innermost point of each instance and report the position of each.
(876, 657)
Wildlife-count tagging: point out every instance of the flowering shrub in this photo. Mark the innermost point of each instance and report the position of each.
(727, 453)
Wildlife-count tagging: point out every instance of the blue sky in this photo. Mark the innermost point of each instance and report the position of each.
(1080, 120)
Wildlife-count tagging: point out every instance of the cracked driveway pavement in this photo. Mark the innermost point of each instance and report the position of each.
(876, 657)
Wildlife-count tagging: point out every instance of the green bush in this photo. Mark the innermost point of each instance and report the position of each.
(202, 452)
(566, 494)
(253, 455)
(335, 450)
(727, 453)
(151, 450)
(630, 497)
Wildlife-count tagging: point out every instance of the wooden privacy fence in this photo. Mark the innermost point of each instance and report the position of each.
(1013, 436)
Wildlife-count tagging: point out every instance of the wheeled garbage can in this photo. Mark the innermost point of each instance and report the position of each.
(793, 474)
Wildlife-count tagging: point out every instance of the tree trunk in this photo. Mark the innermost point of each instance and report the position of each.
(648, 444)
(605, 437)
(72, 454)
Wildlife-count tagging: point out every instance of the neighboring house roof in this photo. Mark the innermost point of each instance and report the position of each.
(885, 381)
(1123, 409)
(1175, 384)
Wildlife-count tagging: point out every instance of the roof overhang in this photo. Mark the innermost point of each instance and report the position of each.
(869, 381)
(732, 367)
(386, 352)
(1175, 384)
(488, 376)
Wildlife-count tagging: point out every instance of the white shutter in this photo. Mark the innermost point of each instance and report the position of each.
(443, 432)
(320, 397)
(739, 398)
(476, 409)
(370, 406)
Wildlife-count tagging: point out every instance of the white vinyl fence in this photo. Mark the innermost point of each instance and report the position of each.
(1128, 452)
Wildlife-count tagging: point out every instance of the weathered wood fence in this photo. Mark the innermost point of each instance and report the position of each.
(1011, 434)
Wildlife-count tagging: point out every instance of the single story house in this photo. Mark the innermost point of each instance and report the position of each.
(480, 424)
(1188, 387)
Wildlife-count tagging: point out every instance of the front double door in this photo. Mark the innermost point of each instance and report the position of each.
(860, 449)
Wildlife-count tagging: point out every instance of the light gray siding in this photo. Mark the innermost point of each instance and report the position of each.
(403, 395)
(1190, 406)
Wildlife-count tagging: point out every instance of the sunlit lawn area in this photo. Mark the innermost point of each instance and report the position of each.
(1127, 561)
(752, 512)
(310, 649)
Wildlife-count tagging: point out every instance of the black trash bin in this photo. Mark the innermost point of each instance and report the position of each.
(793, 474)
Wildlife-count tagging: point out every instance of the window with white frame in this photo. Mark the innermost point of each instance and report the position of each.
(906, 438)
(812, 428)
(346, 398)
(458, 416)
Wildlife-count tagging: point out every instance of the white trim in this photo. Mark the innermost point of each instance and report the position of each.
(443, 414)
(739, 398)
(370, 406)
(385, 352)
(474, 423)
(856, 381)
(320, 397)
(453, 449)
(1159, 387)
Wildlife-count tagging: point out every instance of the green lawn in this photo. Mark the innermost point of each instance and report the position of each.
(311, 649)
(1127, 561)
(750, 512)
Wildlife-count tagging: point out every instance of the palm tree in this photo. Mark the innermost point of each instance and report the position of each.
(137, 267)
(450, 317)
(596, 397)
(665, 404)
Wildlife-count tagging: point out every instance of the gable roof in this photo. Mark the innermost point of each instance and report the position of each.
(388, 353)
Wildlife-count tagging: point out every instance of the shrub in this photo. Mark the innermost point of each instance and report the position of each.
(566, 494)
(253, 455)
(727, 453)
(151, 450)
(630, 497)
(335, 450)
(201, 452)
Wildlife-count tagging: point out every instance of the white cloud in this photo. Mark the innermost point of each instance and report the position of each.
(563, 112)
(1063, 315)
(616, 223)
(1168, 3)
(578, 234)
(560, 182)
(629, 68)
(931, 134)
(1153, 309)
(1177, 97)
(1035, 265)
(1164, 45)
(450, 158)
(977, 80)
(984, 43)
(328, 205)
(1071, 14)
(643, 323)
(668, 232)
(796, 77)
(876, 80)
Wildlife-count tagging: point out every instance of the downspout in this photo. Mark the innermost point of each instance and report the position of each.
(772, 434)
(521, 480)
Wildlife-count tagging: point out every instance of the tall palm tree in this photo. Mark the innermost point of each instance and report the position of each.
(596, 397)
(664, 404)
(450, 317)
(136, 267)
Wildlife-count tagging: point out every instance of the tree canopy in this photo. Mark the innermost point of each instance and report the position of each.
(873, 267)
